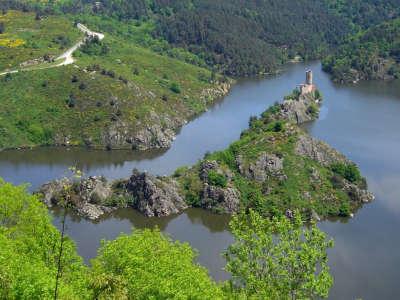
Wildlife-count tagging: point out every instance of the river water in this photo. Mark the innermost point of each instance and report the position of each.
(361, 121)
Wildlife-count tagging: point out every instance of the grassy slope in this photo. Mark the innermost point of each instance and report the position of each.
(35, 110)
(26, 38)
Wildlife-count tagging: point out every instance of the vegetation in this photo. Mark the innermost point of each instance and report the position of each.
(370, 54)
(148, 265)
(278, 258)
(236, 37)
(116, 84)
(29, 251)
(300, 183)
(23, 38)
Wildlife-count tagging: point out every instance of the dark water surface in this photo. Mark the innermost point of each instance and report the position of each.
(361, 121)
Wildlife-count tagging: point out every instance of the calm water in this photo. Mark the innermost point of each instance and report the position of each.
(360, 121)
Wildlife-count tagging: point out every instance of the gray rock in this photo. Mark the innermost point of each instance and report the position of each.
(318, 151)
(86, 197)
(357, 193)
(52, 191)
(265, 165)
(94, 190)
(155, 197)
(297, 110)
(226, 200)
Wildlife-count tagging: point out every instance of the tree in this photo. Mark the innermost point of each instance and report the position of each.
(30, 255)
(148, 265)
(278, 258)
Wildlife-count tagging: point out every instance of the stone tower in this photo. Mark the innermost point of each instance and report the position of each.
(309, 77)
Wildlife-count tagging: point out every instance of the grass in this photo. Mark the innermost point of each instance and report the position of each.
(126, 85)
(26, 38)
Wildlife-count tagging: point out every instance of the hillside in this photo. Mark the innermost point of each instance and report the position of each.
(371, 54)
(117, 94)
(235, 37)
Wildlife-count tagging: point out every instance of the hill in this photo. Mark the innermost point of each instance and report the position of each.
(117, 94)
(371, 54)
(235, 37)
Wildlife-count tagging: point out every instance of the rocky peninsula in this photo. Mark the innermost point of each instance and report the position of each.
(275, 167)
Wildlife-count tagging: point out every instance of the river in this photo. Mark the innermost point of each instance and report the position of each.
(360, 121)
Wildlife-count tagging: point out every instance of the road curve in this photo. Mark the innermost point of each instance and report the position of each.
(67, 57)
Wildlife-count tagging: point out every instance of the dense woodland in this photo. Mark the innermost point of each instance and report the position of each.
(371, 54)
(238, 37)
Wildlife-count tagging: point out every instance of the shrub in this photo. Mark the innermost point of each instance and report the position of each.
(277, 126)
(217, 179)
(313, 110)
(347, 171)
(175, 88)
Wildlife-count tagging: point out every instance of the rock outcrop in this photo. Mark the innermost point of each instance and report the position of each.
(87, 197)
(155, 197)
(266, 165)
(300, 109)
(223, 199)
(319, 151)
(218, 199)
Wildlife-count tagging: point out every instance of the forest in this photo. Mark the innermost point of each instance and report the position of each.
(238, 38)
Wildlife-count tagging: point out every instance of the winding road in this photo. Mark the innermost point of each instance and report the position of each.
(67, 57)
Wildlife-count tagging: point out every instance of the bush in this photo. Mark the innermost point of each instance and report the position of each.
(348, 171)
(344, 210)
(175, 88)
(217, 179)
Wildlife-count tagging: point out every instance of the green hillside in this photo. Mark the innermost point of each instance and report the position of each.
(119, 93)
(371, 54)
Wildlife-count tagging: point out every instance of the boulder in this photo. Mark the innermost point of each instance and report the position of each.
(155, 196)
(226, 200)
(87, 197)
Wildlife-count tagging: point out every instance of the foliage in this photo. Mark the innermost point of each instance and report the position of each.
(278, 258)
(348, 171)
(217, 179)
(29, 249)
(148, 265)
(237, 37)
(34, 113)
(370, 54)
(25, 38)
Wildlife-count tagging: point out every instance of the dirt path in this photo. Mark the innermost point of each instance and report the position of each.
(67, 57)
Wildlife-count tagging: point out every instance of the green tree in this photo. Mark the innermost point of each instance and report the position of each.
(148, 265)
(278, 258)
(30, 251)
